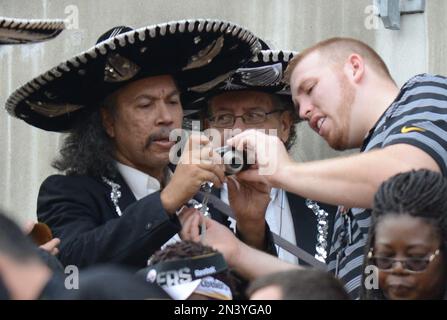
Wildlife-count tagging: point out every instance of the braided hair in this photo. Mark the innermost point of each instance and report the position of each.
(420, 194)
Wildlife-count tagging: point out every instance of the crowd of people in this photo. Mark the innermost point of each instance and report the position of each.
(139, 225)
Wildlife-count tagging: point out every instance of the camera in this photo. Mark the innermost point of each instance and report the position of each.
(235, 161)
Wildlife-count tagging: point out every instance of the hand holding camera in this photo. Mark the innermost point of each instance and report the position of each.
(198, 164)
(235, 161)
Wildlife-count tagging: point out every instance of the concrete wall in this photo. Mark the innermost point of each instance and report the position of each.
(283, 24)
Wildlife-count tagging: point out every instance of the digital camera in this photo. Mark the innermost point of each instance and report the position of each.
(235, 161)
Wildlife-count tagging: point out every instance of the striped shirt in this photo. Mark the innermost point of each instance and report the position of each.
(418, 117)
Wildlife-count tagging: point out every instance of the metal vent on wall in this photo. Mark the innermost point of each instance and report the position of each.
(391, 10)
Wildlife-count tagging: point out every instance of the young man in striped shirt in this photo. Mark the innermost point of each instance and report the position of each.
(344, 90)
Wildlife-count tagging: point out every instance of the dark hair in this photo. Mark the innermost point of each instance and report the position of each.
(180, 250)
(88, 150)
(283, 102)
(302, 284)
(13, 243)
(420, 194)
(188, 249)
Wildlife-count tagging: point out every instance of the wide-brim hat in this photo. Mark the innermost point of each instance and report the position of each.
(197, 53)
(264, 72)
(17, 31)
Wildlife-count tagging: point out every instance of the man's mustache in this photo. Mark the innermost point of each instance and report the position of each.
(161, 134)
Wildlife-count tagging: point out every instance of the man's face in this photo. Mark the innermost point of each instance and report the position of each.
(238, 103)
(323, 96)
(145, 113)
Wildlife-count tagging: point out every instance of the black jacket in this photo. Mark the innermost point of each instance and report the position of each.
(304, 222)
(79, 210)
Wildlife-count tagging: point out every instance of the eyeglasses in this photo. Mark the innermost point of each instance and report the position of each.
(227, 120)
(409, 264)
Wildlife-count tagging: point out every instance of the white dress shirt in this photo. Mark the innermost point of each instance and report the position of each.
(278, 217)
(142, 184)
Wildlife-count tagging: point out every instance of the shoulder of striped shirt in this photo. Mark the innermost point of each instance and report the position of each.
(428, 80)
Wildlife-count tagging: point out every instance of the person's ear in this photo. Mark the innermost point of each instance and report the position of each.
(355, 67)
(286, 122)
(108, 121)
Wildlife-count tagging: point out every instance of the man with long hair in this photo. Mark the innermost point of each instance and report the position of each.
(117, 200)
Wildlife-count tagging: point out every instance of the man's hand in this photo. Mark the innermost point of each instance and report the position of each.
(198, 163)
(51, 246)
(240, 257)
(249, 201)
(269, 152)
(41, 234)
(217, 236)
(186, 221)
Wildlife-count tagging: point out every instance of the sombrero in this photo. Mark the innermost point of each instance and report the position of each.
(264, 72)
(198, 53)
(17, 31)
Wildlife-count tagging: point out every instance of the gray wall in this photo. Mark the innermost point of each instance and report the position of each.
(284, 24)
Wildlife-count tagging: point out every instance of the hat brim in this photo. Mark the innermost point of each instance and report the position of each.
(18, 31)
(197, 53)
(262, 73)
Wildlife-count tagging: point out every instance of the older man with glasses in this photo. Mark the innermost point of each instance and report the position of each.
(255, 98)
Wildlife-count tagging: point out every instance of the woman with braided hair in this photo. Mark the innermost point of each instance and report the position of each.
(408, 238)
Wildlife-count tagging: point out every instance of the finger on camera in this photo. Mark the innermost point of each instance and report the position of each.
(241, 137)
(216, 158)
(197, 141)
(206, 153)
(250, 175)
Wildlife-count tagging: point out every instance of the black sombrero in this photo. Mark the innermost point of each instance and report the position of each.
(198, 53)
(17, 31)
(264, 72)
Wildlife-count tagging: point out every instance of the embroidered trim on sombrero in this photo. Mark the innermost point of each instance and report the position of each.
(264, 72)
(16, 31)
(119, 68)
